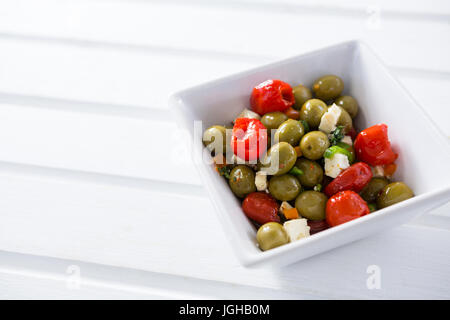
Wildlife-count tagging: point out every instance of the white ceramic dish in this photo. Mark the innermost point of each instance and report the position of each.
(424, 151)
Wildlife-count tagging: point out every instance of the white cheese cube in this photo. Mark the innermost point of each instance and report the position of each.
(347, 140)
(377, 171)
(296, 229)
(261, 181)
(336, 164)
(329, 119)
(246, 113)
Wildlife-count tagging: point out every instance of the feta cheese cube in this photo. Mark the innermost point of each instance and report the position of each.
(261, 180)
(347, 140)
(330, 119)
(336, 164)
(246, 113)
(296, 229)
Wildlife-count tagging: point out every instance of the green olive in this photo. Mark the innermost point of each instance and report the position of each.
(301, 94)
(393, 193)
(211, 134)
(311, 205)
(285, 187)
(312, 112)
(373, 188)
(279, 159)
(271, 235)
(328, 87)
(349, 104)
(272, 120)
(345, 120)
(290, 131)
(312, 172)
(314, 144)
(242, 181)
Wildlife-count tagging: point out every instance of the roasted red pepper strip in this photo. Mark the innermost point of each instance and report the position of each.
(271, 96)
(373, 147)
(249, 139)
(345, 206)
(261, 207)
(353, 178)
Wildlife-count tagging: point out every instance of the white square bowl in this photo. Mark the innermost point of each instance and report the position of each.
(424, 152)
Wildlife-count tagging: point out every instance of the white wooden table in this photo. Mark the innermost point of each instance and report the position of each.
(86, 208)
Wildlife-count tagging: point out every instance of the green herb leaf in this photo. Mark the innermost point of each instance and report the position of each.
(337, 135)
(372, 207)
(318, 187)
(305, 125)
(296, 171)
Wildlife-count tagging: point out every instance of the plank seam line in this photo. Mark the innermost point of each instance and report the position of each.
(67, 175)
(190, 52)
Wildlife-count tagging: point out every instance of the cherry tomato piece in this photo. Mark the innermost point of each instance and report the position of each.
(261, 207)
(345, 206)
(271, 96)
(373, 147)
(353, 178)
(249, 139)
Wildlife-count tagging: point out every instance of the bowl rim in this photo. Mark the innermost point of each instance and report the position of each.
(252, 259)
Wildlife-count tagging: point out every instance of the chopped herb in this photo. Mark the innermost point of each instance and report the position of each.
(318, 187)
(305, 125)
(296, 171)
(225, 171)
(337, 135)
(372, 207)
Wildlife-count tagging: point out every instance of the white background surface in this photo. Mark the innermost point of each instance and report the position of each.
(83, 92)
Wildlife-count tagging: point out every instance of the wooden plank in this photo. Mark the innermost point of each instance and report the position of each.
(132, 227)
(96, 143)
(207, 28)
(29, 277)
(136, 78)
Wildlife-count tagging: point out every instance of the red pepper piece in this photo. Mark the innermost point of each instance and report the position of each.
(249, 139)
(373, 147)
(271, 96)
(345, 206)
(353, 178)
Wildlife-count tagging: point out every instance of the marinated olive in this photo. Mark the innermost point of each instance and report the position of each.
(210, 135)
(328, 87)
(393, 193)
(301, 94)
(345, 120)
(242, 181)
(314, 144)
(373, 188)
(290, 131)
(279, 159)
(312, 112)
(272, 120)
(312, 172)
(311, 205)
(285, 187)
(271, 235)
(349, 104)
